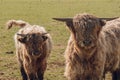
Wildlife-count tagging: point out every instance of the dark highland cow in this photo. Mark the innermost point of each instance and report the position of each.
(33, 46)
(93, 47)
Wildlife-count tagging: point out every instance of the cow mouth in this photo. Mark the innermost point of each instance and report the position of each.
(88, 46)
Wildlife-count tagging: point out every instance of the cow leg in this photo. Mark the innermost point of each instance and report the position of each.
(40, 72)
(32, 77)
(40, 75)
(116, 75)
(104, 76)
(23, 73)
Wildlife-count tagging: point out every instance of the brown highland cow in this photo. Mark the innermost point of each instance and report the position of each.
(93, 47)
(33, 46)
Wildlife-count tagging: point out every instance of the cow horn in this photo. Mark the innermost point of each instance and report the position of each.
(22, 35)
(108, 19)
(63, 19)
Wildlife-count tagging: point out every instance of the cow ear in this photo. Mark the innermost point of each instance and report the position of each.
(102, 22)
(22, 38)
(44, 37)
(68, 21)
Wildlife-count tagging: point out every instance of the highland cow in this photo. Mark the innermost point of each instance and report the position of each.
(33, 46)
(93, 47)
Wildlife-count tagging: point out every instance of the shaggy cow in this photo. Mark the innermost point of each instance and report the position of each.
(33, 46)
(93, 47)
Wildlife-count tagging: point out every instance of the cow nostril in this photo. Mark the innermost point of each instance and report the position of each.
(36, 52)
(87, 42)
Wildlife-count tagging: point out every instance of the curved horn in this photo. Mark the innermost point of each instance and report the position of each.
(44, 33)
(63, 19)
(22, 35)
(108, 19)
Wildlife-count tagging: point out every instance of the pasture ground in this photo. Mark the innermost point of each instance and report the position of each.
(41, 12)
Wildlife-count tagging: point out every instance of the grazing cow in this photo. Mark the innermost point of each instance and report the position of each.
(33, 46)
(93, 47)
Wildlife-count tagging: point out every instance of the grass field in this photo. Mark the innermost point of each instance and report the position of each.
(41, 12)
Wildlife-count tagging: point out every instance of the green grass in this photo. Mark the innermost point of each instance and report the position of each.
(41, 12)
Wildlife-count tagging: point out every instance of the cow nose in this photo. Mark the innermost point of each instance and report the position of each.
(36, 52)
(87, 42)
